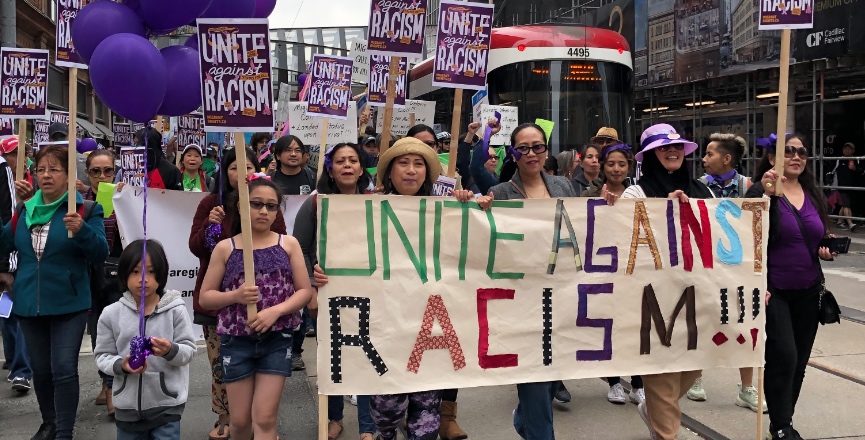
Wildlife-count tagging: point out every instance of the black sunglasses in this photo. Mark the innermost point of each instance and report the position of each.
(790, 151)
(538, 148)
(256, 206)
(98, 172)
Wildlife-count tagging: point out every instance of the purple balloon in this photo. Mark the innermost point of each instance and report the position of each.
(183, 94)
(301, 80)
(135, 5)
(164, 16)
(128, 73)
(98, 21)
(263, 8)
(86, 144)
(230, 9)
(192, 42)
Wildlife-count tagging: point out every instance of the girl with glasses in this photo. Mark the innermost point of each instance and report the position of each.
(795, 278)
(256, 353)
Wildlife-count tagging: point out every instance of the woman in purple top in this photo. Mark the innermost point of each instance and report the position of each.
(794, 278)
(256, 354)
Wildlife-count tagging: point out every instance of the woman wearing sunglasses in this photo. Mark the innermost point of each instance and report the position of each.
(795, 278)
(104, 292)
(523, 177)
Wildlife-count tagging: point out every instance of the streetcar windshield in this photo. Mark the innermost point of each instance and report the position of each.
(581, 96)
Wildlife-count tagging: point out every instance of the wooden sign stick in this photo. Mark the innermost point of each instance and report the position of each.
(455, 128)
(72, 166)
(760, 399)
(783, 83)
(245, 220)
(22, 150)
(393, 73)
(322, 147)
(411, 119)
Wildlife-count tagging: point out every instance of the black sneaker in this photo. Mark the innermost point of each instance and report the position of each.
(47, 431)
(5, 365)
(20, 384)
(787, 433)
(562, 394)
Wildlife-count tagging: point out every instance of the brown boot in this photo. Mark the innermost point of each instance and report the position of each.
(449, 429)
(109, 402)
(100, 399)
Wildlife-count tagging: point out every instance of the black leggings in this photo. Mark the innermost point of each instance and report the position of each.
(636, 381)
(449, 395)
(788, 348)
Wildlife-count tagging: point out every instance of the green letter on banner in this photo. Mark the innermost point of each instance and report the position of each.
(495, 236)
(419, 259)
(370, 244)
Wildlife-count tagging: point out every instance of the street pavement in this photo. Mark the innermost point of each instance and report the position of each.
(830, 407)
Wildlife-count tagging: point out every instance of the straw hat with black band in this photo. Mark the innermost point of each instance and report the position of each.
(605, 133)
(405, 146)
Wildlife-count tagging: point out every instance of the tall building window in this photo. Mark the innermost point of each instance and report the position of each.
(56, 87)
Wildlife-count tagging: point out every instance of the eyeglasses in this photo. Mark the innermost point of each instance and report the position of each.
(667, 148)
(431, 144)
(790, 151)
(256, 206)
(291, 151)
(98, 172)
(50, 171)
(537, 149)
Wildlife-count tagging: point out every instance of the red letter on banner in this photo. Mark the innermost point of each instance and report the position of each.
(485, 360)
(436, 310)
(702, 235)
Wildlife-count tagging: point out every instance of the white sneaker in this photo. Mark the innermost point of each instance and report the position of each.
(637, 397)
(697, 393)
(617, 394)
(644, 414)
(353, 400)
(747, 398)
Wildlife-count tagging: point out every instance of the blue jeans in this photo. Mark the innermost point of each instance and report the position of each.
(15, 349)
(168, 431)
(53, 343)
(533, 418)
(336, 406)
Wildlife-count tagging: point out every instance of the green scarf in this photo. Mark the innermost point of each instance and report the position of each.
(192, 184)
(38, 213)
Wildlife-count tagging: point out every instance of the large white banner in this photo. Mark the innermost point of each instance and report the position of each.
(169, 221)
(427, 293)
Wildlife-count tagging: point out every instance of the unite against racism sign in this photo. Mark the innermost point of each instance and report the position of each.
(66, 55)
(24, 79)
(329, 86)
(40, 132)
(236, 88)
(396, 27)
(132, 165)
(122, 134)
(378, 81)
(190, 130)
(429, 293)
(6, 127)
(463, 45)
(786, 14)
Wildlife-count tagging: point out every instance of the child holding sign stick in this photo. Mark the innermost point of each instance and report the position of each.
(256, 354)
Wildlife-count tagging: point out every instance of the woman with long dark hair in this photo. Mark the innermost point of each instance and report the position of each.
(343, 174)
(203, 237)
(523, 177)
(795, 278)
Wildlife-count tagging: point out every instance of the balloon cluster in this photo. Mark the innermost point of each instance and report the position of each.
(129, 74)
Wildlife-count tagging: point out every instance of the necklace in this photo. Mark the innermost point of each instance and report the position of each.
(542, 196)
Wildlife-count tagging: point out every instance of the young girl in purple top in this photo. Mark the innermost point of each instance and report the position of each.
(794, 278)
(256, 354)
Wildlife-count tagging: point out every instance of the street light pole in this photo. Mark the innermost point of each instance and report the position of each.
(7, 23)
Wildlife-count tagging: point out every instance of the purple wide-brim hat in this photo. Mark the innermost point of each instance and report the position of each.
(660, 135)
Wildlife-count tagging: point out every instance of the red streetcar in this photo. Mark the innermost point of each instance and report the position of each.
(580, 77)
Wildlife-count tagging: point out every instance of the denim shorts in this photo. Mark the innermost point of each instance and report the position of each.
(245, 356)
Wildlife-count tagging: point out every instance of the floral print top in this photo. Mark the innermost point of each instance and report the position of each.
(273, 276)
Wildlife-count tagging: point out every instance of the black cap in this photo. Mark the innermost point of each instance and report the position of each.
(58, 128)
(368, 140)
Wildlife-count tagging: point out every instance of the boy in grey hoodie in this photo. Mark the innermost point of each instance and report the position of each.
(152, 398)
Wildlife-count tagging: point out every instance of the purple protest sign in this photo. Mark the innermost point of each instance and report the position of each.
(132, 166)
(463, 45)
(396, 27)
(65, 54)
(24, 79)
(789, 14)
(40, 132)
(122, 134)
(190, 130)
(378, 76)
(330, 86)
(58, 116)
(6, 127)
(236, 88)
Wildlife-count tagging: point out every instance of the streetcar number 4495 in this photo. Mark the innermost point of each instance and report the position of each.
(579, 52)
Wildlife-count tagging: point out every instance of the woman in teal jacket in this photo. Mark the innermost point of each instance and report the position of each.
(52, 287)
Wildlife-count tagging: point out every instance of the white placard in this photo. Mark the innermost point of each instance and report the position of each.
(308, 128)
(424, 113)
(510, 120)
(360, 73)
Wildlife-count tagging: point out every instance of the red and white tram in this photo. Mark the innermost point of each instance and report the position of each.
(578, 76)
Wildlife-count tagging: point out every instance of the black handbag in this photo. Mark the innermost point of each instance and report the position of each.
(827, 306)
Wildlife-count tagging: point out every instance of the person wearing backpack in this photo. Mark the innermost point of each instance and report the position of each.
(52, 289)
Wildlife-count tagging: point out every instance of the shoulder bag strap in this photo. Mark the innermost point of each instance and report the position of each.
(519, 190)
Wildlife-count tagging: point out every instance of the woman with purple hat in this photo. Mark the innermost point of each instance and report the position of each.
(664, 176)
